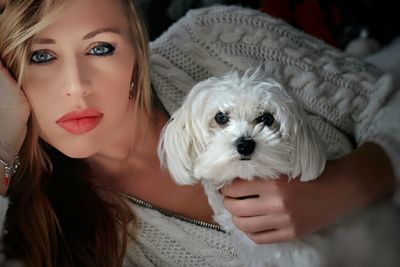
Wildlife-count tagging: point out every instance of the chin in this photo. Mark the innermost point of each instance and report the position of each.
(249, 126)
(76, 153)
(74, 148)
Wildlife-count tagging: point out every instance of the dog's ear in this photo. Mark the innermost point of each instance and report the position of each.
(307, 153)
(183, 137)
(309, 157)
(174, 149)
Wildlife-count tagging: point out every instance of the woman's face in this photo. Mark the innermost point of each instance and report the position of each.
(82, 63)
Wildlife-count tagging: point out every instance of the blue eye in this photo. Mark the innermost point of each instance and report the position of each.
(41, 57)
(102, 50)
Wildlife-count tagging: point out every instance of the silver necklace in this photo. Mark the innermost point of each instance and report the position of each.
(171, 213)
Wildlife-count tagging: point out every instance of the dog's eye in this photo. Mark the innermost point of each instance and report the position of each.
(266, 118)
(221, 118)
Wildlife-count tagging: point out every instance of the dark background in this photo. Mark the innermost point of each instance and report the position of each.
(337, 22)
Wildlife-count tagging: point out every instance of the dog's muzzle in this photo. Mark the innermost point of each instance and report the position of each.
(245, 147)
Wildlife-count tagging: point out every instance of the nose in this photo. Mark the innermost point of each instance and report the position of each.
(76, 81)
(245, 145)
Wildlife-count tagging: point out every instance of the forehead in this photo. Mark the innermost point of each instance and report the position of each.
(240, 100)
(80, 16)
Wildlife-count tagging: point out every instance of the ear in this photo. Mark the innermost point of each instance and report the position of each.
(174, 149)
(309, 156)
(183, 137)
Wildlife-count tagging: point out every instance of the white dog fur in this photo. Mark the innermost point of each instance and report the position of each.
(257, 117)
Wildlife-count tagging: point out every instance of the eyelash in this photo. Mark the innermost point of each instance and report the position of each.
(43, 52)
(108, 46)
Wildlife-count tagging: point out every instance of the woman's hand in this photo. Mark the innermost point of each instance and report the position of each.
(277, 211)
(14, 115)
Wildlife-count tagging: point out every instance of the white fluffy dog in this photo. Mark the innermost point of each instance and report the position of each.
(247, 127)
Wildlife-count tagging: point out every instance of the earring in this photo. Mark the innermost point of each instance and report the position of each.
(131, 90)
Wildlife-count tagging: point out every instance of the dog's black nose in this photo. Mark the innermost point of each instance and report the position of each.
(245, 146)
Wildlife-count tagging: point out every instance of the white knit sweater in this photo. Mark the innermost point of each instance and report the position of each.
(346, 93)
(349, 102)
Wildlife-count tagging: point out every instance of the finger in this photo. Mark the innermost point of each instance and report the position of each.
(241, 188)
(9, 91)
(256, 206)
(11, 96)
(257, 224)
(273, 236)
(6, 75)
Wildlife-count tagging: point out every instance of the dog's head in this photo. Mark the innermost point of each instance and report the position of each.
(240, 126)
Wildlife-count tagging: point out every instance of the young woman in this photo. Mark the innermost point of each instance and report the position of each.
(83, 120)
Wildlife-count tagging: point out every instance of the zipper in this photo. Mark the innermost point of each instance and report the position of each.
(169, 213)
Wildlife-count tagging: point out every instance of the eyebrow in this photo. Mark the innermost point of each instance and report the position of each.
(94, 33)
(87, 36)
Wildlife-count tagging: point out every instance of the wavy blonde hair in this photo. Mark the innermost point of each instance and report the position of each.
(45, 226)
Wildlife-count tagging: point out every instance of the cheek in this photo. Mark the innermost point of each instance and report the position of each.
(39, 87)
(114, 83)
(41, 101)
(110, 77)
(112, 91)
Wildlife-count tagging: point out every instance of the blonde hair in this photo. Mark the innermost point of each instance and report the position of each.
(22, 19)
(40, 229)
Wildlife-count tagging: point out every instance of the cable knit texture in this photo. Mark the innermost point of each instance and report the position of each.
(345, 93)
(342, 95)
(167, 241)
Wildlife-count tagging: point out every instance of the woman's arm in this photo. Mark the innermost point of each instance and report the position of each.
(287, 210)
(385, 132)
(14, 115)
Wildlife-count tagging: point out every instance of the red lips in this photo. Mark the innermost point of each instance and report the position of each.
(81, 121)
